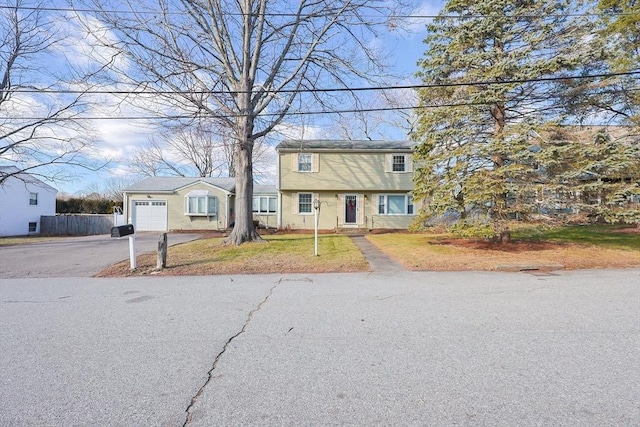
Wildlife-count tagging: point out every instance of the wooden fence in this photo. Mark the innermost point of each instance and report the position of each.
(76, 225)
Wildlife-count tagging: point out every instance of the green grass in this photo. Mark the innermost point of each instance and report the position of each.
(593, 235)
(280, 254)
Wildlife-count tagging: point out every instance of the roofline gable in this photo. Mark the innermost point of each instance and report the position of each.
(200, 181)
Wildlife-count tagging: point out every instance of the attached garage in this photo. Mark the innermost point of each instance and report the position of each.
(149, 215)
(163, 203)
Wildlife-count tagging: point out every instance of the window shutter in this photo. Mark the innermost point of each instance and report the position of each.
(315, 160)
(294, 162)
(294, 202)
(341, 209)
(408, 160)
(388, 162)
(361, 209)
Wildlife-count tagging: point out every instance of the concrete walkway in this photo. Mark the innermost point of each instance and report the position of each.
(378, 260)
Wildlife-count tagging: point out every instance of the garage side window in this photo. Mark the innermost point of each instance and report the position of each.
(200, 205)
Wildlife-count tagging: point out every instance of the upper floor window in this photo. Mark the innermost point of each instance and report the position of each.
(33, 199)
(399, 164)
(305, 162)
(199, 203)
(395, 204)
(264, 204)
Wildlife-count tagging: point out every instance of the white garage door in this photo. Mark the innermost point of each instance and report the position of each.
(149, 215)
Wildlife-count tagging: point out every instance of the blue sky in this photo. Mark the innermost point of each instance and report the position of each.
(117, 139)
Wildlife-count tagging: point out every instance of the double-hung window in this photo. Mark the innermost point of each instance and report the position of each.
(395, 204)
(305, 162)
(200, 203)
(305, 203)
(33, 199)
(399, 163)
(264, 204)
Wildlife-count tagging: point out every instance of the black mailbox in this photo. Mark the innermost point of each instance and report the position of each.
(122, 230)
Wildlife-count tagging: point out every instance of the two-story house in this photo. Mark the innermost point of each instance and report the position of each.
(359, 184)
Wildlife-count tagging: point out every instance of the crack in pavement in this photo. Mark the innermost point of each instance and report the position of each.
(195, 398)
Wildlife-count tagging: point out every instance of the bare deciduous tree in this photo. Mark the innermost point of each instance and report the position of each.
(194, 149)
(40, 131)
(244, 63)
(386, 114)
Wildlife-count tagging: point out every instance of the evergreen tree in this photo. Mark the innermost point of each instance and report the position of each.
(591, 172)
(485, 65)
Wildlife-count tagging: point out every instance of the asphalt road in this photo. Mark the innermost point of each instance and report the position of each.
(76, 256)
(399, 348)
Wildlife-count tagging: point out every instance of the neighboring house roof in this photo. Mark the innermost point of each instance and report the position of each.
(344, 145)
(163, 184)
(265, 189)
(24, 177)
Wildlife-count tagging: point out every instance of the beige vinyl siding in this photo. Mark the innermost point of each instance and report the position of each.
(344, 172)
(398, 222)
(185, 222)
(176, 218)
(294, 221)
(332, 213)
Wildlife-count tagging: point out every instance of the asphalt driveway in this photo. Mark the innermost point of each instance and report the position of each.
(77, 256)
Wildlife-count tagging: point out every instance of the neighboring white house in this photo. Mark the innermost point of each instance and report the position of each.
(23, 200)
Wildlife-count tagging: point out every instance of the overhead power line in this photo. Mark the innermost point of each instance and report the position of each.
(290, 113)
(391, 17)
(324, 90)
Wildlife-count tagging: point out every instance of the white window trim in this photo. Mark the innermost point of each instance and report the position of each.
(201, 194)
(407, 202)
(298, 204)
(408, 163)
(33, 197)
(315, 166)
(310, 155)
(404, 163)
(267, 212)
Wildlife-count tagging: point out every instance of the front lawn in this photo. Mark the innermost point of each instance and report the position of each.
(575, 247)
(281, 254)
(618, 237)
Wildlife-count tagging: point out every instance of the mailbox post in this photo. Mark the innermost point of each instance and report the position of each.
(127, 230)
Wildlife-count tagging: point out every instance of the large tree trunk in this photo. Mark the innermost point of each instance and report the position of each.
(244, 230)
(498, 212)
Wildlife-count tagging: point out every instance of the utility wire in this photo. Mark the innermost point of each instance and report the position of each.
(324, 90)
(458, 16)
(291, 113)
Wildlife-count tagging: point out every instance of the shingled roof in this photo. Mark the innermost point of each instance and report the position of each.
(352, 145)
(159, 184)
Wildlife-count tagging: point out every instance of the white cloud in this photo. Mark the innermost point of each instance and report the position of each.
(421, 16)
(298, 131)
(86, 44)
